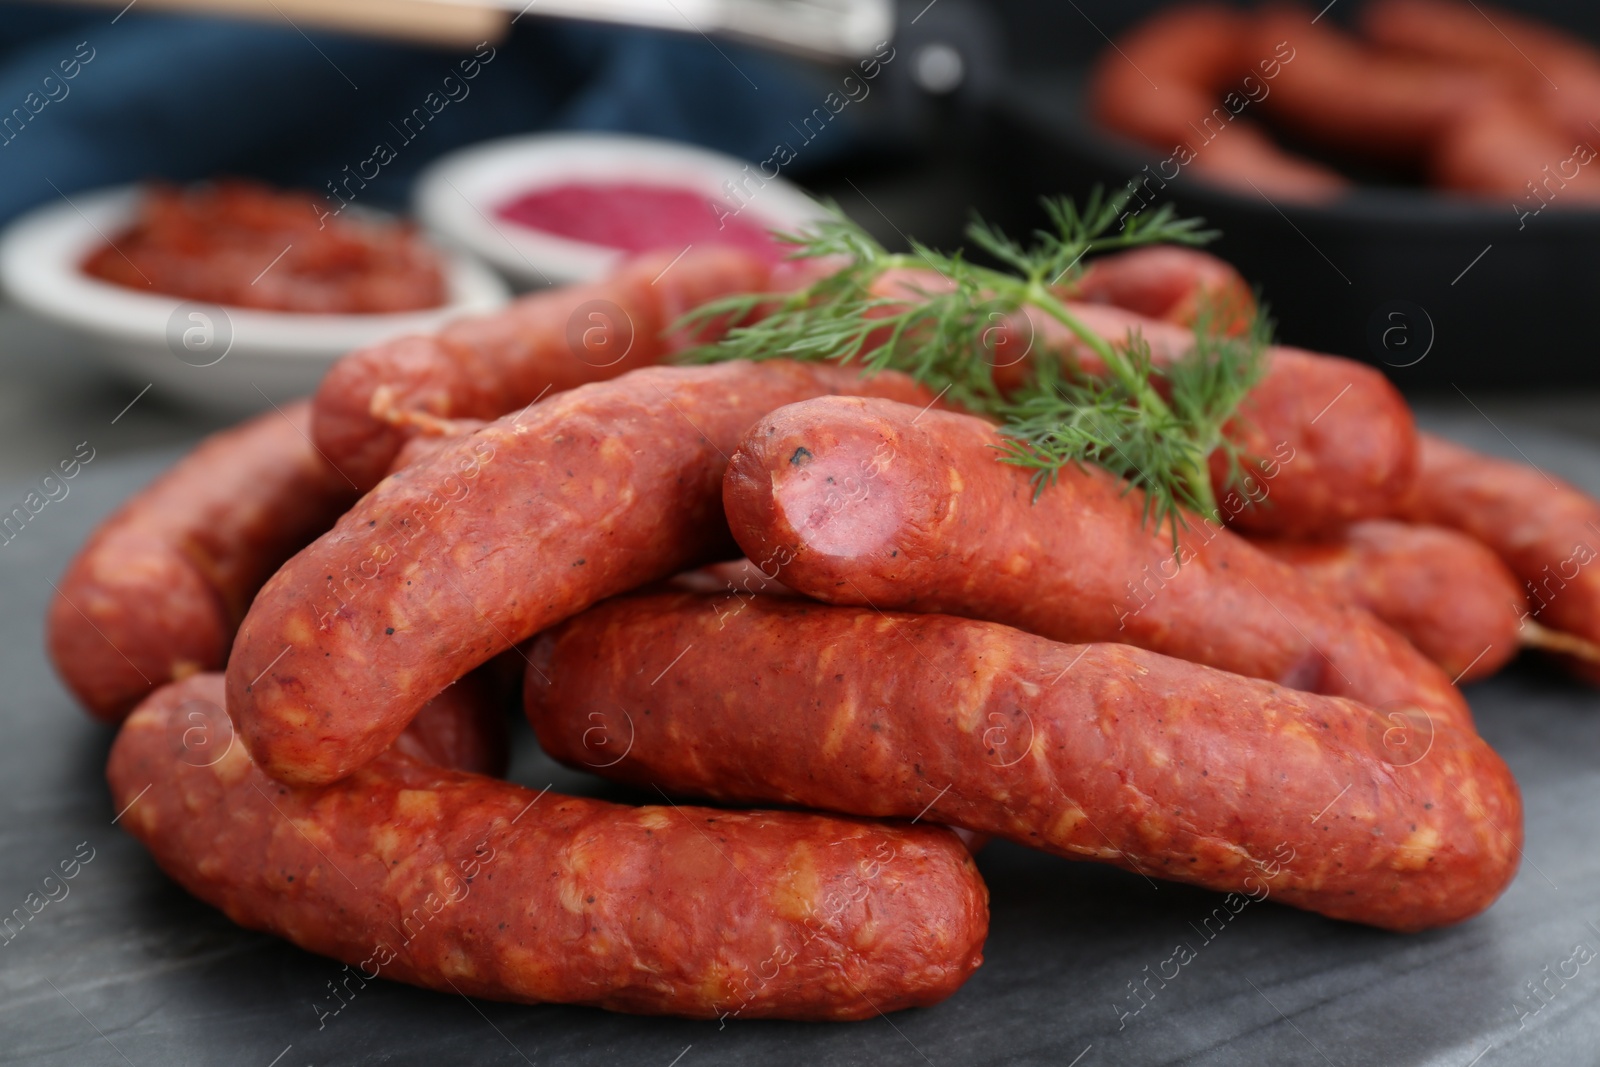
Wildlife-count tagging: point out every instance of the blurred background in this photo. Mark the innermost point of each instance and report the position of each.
(982, 108)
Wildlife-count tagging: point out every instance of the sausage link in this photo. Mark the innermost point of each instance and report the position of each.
(1354, 467)
(1516, 149)
(1196, 50)
(1100, 752)
(1332, 440)
(469, 885)
(486, 365)
(1555, 70)
(870, 502)
(509, 530)
(160, 587)
(1450, 93)
(1170, 283)
(1179, 81)
(1342, 94)
(1444, 591)
(1543, 529)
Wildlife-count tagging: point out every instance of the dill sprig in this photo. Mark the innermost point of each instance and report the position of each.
(1155, 426)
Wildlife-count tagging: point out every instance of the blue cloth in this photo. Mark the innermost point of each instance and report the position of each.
(183, 98)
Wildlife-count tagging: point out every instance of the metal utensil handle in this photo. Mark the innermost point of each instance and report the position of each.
(824, 29)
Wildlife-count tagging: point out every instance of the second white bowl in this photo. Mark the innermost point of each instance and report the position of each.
(459, 196)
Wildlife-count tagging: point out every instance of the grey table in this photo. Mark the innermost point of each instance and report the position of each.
(126, 969)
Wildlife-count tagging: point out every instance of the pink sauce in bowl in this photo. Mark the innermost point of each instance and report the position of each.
(635, 217)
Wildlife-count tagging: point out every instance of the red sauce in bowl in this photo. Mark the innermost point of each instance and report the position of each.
(635, 217)
(248, 245)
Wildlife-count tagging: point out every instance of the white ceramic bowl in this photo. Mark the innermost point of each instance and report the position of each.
(457, 197)
(221, 357)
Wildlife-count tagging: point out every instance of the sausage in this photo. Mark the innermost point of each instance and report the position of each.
(1556, 70)
(1180, 82)
(1329, 440)
(511, 529)
(1543, 529)
(1099, 751)
(484, 366)
(1332, 440)
(157, 592)
(1480, 103)
(1339, 92)
(1445, 592)
(1194, 49)
(872, 503)
(1171, 283)
(1360, 460)
(465, 884)
(1472, 35)
(1451, 91)
(1514, 148)
(735, 583)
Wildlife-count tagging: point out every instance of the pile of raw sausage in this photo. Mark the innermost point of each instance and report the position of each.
(318, 619)
(1458, 95)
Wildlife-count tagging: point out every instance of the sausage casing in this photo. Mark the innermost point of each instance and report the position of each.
(483, 366)
(1445, 592)
(506, 531)
(1171, 283)
(465, 884)
(1101, 752)
(1545, 530)
(869, 502)
(1180, 83)
(1557, 71)
(1341, 94)
(1325, 440)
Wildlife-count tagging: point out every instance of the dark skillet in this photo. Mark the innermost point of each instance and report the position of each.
(1438, 289)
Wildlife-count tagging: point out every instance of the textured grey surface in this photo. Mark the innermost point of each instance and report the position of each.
(126, 969)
